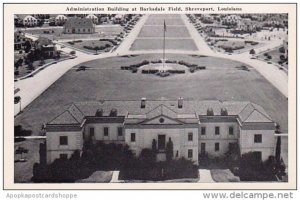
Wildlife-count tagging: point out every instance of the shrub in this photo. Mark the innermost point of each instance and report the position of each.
(134, 70)
(281, 50)
(282, 57)
(252, 51)
(72, 52)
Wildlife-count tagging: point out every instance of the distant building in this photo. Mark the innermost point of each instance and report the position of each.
(19, 40)
(60, 20)
(29, 21)
(46, 46)
(94, 18)
(79, 26)
(195, 127)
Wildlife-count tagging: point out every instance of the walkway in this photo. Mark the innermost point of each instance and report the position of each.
(205, 176)
(115, 177)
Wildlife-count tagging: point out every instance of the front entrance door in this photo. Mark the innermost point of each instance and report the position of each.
(161, 142)
(202, 148)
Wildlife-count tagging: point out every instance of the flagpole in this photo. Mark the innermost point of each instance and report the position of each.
(164, 45)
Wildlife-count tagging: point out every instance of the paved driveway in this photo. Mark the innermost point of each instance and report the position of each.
(205, 176)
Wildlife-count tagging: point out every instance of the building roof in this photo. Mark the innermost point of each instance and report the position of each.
(75, 22)
(191, 109)
(61, 16)
(91, 16)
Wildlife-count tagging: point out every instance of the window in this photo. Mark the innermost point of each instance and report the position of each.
(105, 131)
(63, 140)
(132, 137)
(161, 142)
(257, 138)
(217, 130)
(203, 130)
(230, 130)
(190, 136)
(120, 131)
(217, 146)
(92, 131)
(231, 146)
(190, 153)
(63, 156)
(202, 148)
(83, 30)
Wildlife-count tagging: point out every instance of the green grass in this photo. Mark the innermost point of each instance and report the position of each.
(176, 44)
(275, 56)
(57, 34)
(23, 170)
(91, 43)
(169, 20)
(171, 31)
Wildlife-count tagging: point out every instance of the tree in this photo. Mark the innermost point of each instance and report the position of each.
(169, 150)
(154, 146)
(97, 48)
(278, 144)
(252, 51)
(21, 150)
(27, 47)
(58, 54)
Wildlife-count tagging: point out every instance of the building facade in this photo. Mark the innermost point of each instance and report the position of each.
(60, 20)
(194, 127)
(30, 21)
(77, 25)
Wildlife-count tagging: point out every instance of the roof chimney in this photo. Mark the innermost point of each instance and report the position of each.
(210, 112)
(99, 112)
(180, 102)
(143, 102)
(224, 112)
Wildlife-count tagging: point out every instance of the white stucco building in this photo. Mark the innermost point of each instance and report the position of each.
(194, 127)
(60, 20)
(30, 21)
(94, 18)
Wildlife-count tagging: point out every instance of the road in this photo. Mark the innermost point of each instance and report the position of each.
(32, 87)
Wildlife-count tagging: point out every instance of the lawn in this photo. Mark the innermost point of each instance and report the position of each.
(79, 44)
(23, 70)
(23, 170)
(176, 44)
(275, 54)
(171, 31)
(169, 20)
(238, 45)
(57, 33)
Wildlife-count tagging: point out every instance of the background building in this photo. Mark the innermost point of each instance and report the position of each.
(79, 25)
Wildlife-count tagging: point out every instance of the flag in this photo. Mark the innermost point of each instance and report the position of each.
(165, 27)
